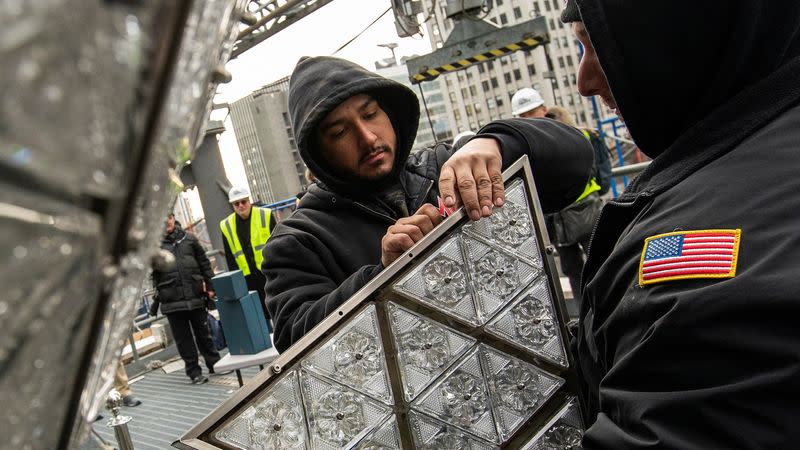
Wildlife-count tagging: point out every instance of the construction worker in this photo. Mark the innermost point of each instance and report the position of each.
(688, 333)
(373, 199)
(571, 228)
(245, 232)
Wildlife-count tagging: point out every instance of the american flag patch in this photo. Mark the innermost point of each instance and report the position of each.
(689, 254)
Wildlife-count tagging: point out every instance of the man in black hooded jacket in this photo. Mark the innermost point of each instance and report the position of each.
(688, 333)
(181, 291)
(373, 200)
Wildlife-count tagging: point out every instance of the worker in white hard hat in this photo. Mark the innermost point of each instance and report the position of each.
(245, 233)
(528, 103)
(571, 228)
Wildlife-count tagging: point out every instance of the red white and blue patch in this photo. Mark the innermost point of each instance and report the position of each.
(689, 254)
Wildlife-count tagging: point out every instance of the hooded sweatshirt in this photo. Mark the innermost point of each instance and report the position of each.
(712, 93)
(331, 246)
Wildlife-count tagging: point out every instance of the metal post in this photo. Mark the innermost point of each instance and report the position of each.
(133, 348)
(620, 156)
(118, 422)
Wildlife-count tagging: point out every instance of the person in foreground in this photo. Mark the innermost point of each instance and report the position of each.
(687, 335)
(373, 199)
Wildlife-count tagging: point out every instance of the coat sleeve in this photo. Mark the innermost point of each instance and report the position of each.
(561, 157)
(228, 254)
(202, 261)
(300, 291)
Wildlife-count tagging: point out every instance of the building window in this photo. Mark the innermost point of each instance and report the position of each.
(499, 100)
(503, 19)
(531, 70)
(478, 108)
(569, 60)
(457, 114)
(507, 77)
(490, 103)
(286, 120)
(490, 65)
(503, 61)
(473, 91)
(517, 13)
(564, 42)
(463, 92)
(494, 82)
(453, 97)
(485, 85)
(552, 24)
(469, 75)
(561, 62)
(583, 117)
(536, 9)
(469, 110)
(481, 69)
(499, 2)
(565, 81)
(517, 75)
(572, 79)
(547, 5)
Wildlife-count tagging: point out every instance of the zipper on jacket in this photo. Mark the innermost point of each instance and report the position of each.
(375, 213)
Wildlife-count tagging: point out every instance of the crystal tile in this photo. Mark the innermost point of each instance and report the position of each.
(431, 434)
(338, 416)
(497, 276)
(510, 226)
(275, 421)
(517, 389)
(531, 323)
(354, 356)
(441, 281)
(387, 437)
(461, 398)
(563, 432)
(425, 348)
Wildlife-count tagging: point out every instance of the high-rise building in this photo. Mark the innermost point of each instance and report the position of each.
(442, 129)
(266, 142)
(483, 92)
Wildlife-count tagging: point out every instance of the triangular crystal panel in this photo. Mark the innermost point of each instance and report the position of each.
(338, 416)
(431, 434)
(461, 398)
(517, 389)
(564, 431)
(530, 322)
(425, 348)
(275, 421)
(510, 226)
(497, 276)
(441, 281)
(387, 437)
(355, 357)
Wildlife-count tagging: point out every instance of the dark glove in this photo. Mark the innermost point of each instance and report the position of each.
(153, 309)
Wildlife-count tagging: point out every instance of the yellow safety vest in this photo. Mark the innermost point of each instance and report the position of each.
(592, 185)
(259, 234)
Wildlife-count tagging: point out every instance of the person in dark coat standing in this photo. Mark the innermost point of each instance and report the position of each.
(181, 292)
(373, 199)
(688, 334)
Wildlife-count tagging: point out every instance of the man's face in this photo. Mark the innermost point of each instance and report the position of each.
(242, 207)
(539, 112)
(591, 78)
(170, 224)
(357, 138)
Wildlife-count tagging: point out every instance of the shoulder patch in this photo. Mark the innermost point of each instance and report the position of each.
(689, 254)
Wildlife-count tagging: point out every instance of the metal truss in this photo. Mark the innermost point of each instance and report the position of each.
(267, 17)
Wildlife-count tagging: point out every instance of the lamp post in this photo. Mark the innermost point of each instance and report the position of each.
(391, 46)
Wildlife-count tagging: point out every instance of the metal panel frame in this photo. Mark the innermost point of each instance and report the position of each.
(199, 437)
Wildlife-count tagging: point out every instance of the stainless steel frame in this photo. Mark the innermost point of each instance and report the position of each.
(199, 437)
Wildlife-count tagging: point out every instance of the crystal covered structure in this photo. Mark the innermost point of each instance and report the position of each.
(460, 344)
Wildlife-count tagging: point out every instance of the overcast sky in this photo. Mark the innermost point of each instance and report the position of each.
(320, 33)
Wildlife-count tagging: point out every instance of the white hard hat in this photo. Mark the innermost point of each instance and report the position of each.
(525, 100)
(238, 193)
(462, 138)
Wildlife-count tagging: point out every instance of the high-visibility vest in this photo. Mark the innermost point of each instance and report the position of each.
(592, 185)
(259, 234)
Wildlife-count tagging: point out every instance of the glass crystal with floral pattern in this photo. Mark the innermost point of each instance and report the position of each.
(464, 398)
(534, 321)
(276, 425)
(445, 280)
(357, 357)
(338, 417)
(510, 225)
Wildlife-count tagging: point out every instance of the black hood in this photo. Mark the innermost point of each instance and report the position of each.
(673, 66)
(320, 84)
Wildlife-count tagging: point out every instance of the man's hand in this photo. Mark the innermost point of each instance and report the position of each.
(472, 177)
(407, 231)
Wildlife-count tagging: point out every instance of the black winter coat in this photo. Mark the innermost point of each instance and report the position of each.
(181, 289)
(702, 362)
